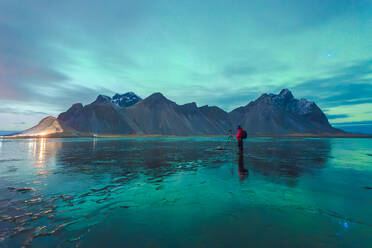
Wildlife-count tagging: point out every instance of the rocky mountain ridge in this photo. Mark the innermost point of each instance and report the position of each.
(128, 114)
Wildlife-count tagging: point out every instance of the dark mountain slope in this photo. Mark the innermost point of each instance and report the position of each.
(127, 114)
(158, 115)
(99, 117)
(282, 114)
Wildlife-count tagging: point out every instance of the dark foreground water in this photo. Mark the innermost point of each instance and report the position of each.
(182, 192)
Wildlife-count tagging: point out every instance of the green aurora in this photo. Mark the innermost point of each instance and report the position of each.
(223, 53)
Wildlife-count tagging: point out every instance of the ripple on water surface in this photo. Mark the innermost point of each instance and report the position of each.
(184, 192)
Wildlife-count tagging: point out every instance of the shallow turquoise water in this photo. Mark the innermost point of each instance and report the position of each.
(182, 192)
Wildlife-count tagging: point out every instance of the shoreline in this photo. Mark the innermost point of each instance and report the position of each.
(191, 136)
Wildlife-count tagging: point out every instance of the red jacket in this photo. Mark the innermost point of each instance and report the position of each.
(239, 135)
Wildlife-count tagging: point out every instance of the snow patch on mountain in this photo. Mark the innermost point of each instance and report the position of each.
(286, 100)
(125, 100)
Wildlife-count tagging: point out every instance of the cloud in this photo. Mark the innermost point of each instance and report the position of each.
(39, 39)
(293, 16)
(68, 94)
(52, 99)
(56, 53)
(353, 123)
(239, 70)
(331, 117)
(20, 123)
(24, 60)
(255, 65)
(227, 98)
(17, 81)
(12, 110)
(349, 85)
(364, 127)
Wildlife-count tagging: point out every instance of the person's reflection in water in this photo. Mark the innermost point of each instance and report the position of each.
(243, 172)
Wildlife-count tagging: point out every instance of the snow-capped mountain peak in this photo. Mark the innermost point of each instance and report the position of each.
(125, 100)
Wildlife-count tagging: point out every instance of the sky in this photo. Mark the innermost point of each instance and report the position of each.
(221, 52)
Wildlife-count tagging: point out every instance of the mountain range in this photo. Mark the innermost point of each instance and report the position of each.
(128, 114)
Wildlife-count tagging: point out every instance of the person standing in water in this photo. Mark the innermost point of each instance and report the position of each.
(239, 138)
(241, 134)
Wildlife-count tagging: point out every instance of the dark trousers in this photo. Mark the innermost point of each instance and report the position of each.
(240, 145)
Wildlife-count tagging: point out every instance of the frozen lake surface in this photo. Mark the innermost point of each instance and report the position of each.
(183, 192)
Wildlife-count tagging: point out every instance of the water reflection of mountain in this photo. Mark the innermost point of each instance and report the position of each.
(279, 160)
(153, 158)
(284, 160)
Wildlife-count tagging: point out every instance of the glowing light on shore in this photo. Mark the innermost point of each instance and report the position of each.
(42, 152)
